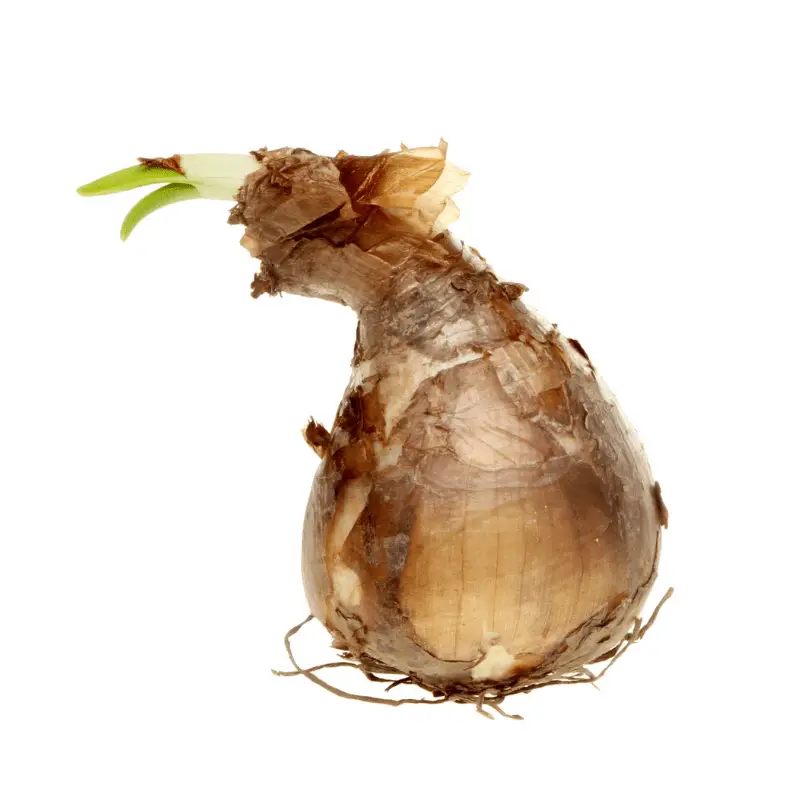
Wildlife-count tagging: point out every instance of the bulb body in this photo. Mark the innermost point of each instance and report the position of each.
(482, 514)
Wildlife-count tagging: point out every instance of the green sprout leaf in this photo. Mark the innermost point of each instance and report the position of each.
(216, 176)
(165, 196)
(131, 178)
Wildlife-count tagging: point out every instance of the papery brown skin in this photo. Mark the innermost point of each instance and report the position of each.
(482, 515)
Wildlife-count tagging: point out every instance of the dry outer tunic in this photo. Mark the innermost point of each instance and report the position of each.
(482, 514)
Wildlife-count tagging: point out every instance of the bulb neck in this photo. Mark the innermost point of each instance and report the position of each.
(343, 228)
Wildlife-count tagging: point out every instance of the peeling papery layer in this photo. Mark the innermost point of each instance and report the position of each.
(384, 207)
(417, 185)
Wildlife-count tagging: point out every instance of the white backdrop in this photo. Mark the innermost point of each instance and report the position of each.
(635, 164)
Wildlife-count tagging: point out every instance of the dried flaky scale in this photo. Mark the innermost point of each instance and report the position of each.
(483, 519)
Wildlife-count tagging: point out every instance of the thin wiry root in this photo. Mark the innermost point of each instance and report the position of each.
(488, 698)
(479, 706)
(371, 676)
(649, 623)
(398, 682)
(496, 707)
(309, 673)
(292, 673)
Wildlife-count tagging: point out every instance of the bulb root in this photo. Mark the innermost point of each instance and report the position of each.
(487, 698)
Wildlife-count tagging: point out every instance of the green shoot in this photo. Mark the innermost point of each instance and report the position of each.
(216, 176)
(165, 196)
(131, 178)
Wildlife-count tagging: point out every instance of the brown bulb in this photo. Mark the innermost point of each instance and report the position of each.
(482, 517)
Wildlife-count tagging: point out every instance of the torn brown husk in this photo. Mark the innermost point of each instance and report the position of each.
(171, 162)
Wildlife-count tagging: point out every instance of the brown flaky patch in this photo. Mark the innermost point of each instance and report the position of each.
(292, 190)
(514, 290)
(317, 437)
(661, 508)
(579, 347)
(171, 162)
